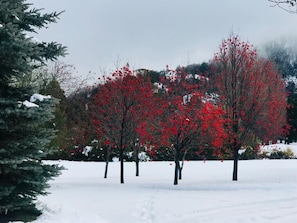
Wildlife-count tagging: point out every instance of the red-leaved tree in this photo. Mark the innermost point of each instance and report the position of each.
(121, 103)
(252, 93)
(187, 120)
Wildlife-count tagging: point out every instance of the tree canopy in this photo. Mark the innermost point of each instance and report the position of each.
(253, 93)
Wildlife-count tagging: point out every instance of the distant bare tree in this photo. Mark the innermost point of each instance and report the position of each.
(67, 76)
(287, 5)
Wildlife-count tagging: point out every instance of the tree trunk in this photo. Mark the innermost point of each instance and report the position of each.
(235, 164)
(107, 154)
(180, 171)
(137, 161)
(106, 168)
(176, 171)
(137, 168)
(182, 165)
(122, 165)
(177, 166)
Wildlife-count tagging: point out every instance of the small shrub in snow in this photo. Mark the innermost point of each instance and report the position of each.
(276, 154)
(279, 154)
(289, 154)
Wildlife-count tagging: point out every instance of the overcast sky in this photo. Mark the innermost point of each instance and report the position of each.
(103, 34)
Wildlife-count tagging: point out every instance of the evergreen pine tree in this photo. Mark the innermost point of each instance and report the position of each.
(59, 123)
(23, 136)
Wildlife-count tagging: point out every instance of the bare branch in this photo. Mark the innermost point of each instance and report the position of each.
(67, 76)
(287, 5)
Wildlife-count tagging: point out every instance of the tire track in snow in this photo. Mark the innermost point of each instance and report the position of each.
(280, 210)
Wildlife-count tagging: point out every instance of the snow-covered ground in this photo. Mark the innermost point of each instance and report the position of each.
(266, 192)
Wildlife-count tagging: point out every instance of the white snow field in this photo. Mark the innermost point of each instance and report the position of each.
(265, 192)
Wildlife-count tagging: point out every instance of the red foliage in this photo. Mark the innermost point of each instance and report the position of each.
(186, 119)
(252, 92)
(120, 105)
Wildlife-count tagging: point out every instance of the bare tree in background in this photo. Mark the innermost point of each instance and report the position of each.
(287, 5)
(67, 76)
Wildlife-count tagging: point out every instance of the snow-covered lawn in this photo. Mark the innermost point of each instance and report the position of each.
(266, 192)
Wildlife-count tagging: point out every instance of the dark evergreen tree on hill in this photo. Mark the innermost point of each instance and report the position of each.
(201, 69)
(23, 136)
(59, 123)
(284, 55)
(292, 116)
